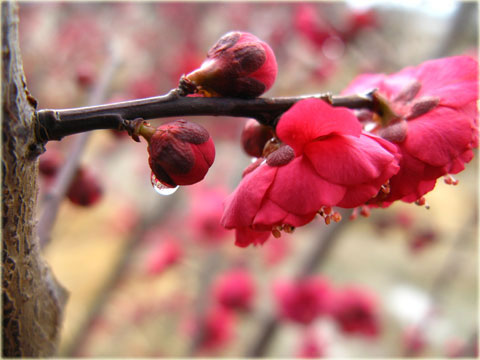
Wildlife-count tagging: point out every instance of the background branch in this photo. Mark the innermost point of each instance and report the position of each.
(67, 172)
(151, 217)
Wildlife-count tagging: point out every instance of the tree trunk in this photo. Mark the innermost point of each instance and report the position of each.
(32, 299)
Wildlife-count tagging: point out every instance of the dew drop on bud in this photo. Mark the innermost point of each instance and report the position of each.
(161, 188)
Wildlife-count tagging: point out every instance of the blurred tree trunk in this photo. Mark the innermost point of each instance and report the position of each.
(32, 299)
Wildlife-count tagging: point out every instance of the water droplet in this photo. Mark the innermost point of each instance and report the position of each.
(161, 188)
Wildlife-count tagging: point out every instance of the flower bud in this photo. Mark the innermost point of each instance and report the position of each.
(238, 65)
(254, 137)
(180, 152)
(85, 189)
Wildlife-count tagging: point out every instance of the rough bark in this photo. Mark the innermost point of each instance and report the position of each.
(32, 299)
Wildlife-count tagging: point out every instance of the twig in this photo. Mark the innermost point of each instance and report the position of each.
(55, 124)
(315, 258)
(67, 172)
(118, 271)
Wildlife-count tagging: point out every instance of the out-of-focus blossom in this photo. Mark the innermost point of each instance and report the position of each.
(310, 22)
(455, 348)
(303, 301)
(235, 290)
(357, 20)
(206, 212)
(355, 310)
(217, 330)
(414, 341)
(49, 163)
(166, 254)
(311, 346)
(85, 189)
(422, 239)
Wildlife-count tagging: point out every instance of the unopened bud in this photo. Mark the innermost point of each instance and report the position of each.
(254, 137)
(238, 65)
(180, 152)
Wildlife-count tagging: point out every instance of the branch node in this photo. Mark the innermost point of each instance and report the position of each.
(186, 86)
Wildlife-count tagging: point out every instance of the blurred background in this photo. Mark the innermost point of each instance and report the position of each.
(144, 271)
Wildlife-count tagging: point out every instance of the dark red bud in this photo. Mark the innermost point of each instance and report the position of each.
(180, 152)
(254, 137)
(238, 65)
(85, 189)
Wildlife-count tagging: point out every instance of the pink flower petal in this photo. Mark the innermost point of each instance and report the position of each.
(348, 160)
(414, 179)
(243, 204)
(272, 214)
(439, 136)
(454, 80)
(298, 188)
(310, 119)
(245, 236)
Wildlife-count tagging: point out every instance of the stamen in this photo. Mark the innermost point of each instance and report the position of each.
(276, 231)
(288, 228)
(328, 215)
(365, 211)
(450, 180)
(385, 188)
(336, 216)
(422, 202)
(354, 214)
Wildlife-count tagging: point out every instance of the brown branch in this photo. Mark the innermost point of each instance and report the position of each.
(32, 300)
(315, 258)
(67, 172)
(55, 124)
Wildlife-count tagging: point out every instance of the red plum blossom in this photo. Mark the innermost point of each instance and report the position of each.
(325, 160)
(432, 119)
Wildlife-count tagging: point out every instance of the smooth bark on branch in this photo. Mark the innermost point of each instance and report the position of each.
(32, 299)
(55, 124)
